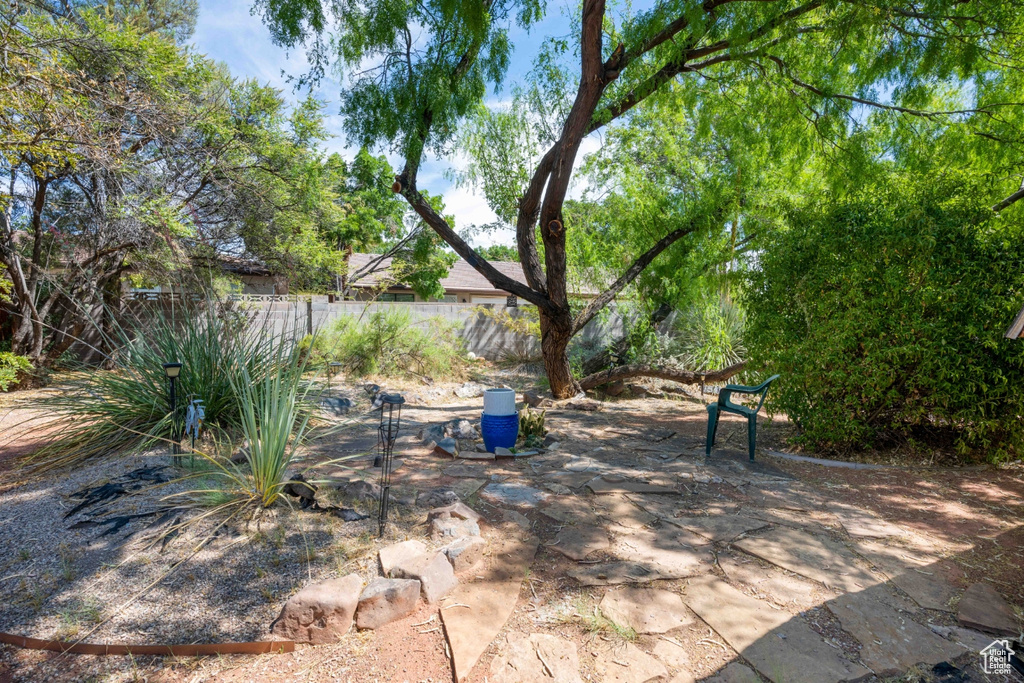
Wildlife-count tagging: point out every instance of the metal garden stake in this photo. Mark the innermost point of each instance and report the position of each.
(390, 418)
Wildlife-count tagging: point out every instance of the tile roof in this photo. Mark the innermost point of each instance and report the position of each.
(461, 278)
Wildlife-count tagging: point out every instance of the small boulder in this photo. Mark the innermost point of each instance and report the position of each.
(445, 529)
(397, 553)
(465, 552)
(434, 572)
(299, 487)
(458, 510)
(470, 390)
(386, 600)
(320, 613)
(453, 521)
(359, 490)
(431, 434)
(460, 429)
(448, 446)
(436, 498)
(535, 400)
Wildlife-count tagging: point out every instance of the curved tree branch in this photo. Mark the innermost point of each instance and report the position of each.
(642, 370)
(1019, 194)
(592, 309)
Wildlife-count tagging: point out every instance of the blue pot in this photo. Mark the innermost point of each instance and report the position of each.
(499, 431)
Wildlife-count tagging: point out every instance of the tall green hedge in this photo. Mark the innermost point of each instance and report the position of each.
(885, 313)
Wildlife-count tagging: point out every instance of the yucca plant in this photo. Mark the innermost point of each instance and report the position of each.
(274, 416)
(105, 412)
(710, 336)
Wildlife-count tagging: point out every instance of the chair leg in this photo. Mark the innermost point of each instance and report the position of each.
(752, 435)
(712, 428)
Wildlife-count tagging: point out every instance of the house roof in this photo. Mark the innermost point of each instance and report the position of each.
(461, 278)
(1016, 330)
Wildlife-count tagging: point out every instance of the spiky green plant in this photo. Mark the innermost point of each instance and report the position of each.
(710, 336)
(99, 413)
(274, 416)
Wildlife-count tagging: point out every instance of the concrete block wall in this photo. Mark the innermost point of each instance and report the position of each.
(483, 335)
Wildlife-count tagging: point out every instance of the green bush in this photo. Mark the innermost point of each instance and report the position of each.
(390, 342)
(885, 314)
(11, 365)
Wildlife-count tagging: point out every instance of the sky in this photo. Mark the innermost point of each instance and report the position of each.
(228, 32)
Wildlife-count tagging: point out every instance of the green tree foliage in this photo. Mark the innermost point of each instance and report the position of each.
(126, 157)
(423, 68)
(499, 252)
(885, 309)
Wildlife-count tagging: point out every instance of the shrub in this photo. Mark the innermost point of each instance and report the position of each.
(885, 315)
(105, 412)
(390, 341)
(709, 336)
(11, 365)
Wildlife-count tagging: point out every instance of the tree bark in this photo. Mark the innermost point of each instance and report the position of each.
(555, 334)
(641, 370)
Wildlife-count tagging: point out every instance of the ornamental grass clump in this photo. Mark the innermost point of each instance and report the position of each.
(274, 418)
(99, 413)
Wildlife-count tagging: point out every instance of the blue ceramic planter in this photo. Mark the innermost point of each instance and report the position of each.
(499, 431)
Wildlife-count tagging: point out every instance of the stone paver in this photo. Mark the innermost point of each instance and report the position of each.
(928, 580)
(512, 493)
(890, 642)
(780, 646)
(464, 488)
(734, 672)
(490, 601)
(861, 523)
(816, 557)
(645, 610)
(614, 573)
(602, 486)
(619, 509)
(671, 653)
(667, 548)
(572, 480)
(536, 657)
(626, 663)
(578, 542)
(465, 469)
(983, 609)
(771, 584)
(569, 509)
(719, 528)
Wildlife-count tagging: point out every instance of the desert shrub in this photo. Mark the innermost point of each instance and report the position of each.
(885, 314)
(11, 365)
(105, 412)
(390, 341)
(708, 336)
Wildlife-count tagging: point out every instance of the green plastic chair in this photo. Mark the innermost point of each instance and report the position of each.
(725, 406)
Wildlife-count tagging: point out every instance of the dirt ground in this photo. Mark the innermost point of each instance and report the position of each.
(970, 516)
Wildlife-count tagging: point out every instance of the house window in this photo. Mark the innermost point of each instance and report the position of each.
(512, 301)
(388, 296)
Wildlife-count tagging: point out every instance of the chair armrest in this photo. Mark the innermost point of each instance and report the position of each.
(730, 389)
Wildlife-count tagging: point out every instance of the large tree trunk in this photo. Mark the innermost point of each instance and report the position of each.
(555, 334)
